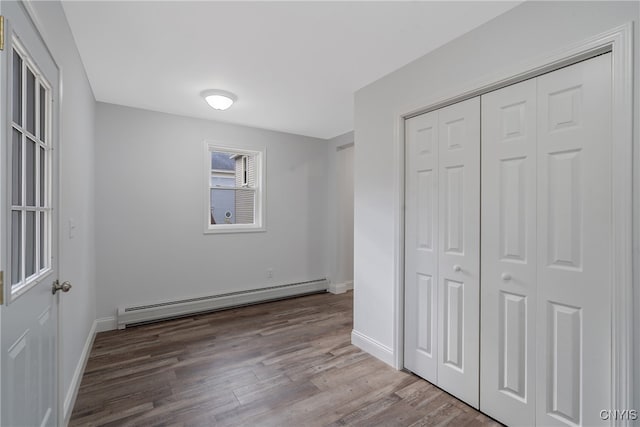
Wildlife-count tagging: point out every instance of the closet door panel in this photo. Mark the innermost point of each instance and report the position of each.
(459, 245)
(574, 244)
(421, 245)
(508, 290)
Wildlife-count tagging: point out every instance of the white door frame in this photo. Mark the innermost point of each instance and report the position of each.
(618, 41)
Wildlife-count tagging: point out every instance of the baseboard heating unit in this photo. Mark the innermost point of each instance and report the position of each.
(129, 316)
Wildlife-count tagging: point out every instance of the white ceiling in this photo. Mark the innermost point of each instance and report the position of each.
(293, 65)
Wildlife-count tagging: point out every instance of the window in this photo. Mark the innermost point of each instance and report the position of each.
(30, 174)
(234, 190)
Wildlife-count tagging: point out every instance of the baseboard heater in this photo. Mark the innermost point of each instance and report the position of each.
(130, 316)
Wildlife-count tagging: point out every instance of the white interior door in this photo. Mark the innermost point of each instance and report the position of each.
(574, 244)
(546, 248)
(459, 250)
(29, 316)
(508, 254)
(421, 246)
(442, 223)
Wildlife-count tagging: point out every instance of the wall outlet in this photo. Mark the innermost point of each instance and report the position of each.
(269, 273)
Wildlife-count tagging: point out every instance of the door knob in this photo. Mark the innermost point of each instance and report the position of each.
(65, 287)
(506, 277)
(457, 268)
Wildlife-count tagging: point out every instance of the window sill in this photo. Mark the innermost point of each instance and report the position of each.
(226, 229)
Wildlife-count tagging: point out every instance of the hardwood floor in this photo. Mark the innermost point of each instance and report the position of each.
(284, 363)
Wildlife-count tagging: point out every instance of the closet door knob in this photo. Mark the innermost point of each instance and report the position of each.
(506, 277)
(457, 268)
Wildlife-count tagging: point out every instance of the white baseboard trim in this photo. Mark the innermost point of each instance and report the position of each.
(106, 324)
(373, 347)
(340, 288)
(72, 392)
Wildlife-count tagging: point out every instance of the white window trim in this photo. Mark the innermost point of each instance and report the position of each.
(259, 214)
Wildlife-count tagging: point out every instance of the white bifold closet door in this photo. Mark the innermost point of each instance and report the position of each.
(546, 248)
(442, 229)
(508, 294)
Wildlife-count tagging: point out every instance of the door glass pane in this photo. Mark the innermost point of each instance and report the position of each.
(16, 246)
(43, 115)
(31, 102)
(30, 175)
(16, 169)
(42, 241)
(17, 88)
(29, 221)
(30, 244)
(42, 175)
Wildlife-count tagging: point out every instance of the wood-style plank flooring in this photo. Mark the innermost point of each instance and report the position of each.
(284, 363)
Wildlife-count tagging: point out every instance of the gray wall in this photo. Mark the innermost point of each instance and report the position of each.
(77, 254)
(149, 211)
(531, 30)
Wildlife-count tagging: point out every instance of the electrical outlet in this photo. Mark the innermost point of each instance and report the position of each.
(269, 273)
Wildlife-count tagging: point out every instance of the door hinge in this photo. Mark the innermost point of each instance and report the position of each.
(1, 287)
(1, 32)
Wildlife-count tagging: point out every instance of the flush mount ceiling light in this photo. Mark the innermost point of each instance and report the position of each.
(219, 99)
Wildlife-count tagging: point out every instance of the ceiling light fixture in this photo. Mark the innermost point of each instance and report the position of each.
(219, 99)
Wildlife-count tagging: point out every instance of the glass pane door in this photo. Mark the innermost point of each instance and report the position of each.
(30, 154)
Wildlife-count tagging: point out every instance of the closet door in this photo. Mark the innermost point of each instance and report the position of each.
(546, 247)
(458, 249)
(574, 244)
(442, 220)
(508, 356)
(421, 246)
